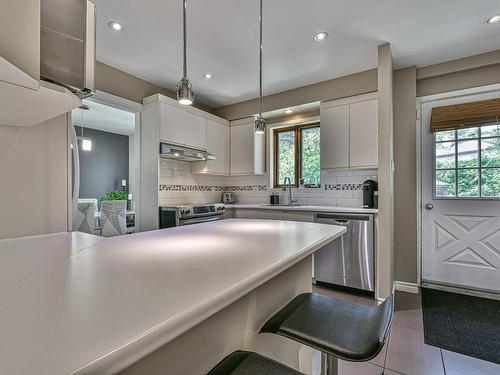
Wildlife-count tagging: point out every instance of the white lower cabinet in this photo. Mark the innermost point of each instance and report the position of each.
(304, 216)
(249, 213)
(273, 214)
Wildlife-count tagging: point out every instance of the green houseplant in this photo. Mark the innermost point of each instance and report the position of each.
(114, 195)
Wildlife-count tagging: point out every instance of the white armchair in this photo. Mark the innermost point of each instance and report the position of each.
(84, 218)
(113, 218)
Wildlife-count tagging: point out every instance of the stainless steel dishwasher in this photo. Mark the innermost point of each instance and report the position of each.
(347, 262)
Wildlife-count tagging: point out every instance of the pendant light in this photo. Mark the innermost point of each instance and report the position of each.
(260, 123)
(86, 142)
(185, 94)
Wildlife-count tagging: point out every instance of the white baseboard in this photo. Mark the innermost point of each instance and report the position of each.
(403, 286)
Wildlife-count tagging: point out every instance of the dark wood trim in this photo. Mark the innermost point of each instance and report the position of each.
(298, 152)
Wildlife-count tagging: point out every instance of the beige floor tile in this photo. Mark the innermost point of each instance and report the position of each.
(379, 360)
(390, 372)
(408, 354)
(409, 319)
(359, 368)
(335, 294)
(408, 301)
(458, 364)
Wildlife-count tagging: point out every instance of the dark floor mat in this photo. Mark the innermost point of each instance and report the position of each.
(463, 324)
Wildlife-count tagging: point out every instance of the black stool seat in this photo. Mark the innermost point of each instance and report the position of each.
(342, 329)
(248, 363)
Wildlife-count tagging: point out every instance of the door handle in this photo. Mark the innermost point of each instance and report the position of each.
(428, 206)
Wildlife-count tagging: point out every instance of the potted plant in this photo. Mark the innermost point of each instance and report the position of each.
(114, 195)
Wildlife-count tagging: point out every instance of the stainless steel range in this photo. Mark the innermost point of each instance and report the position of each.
(174, 216)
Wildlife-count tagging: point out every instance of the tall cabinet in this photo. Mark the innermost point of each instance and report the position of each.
(349, 132)
(248, 156)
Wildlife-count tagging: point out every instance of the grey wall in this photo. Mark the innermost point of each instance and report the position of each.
(405, 176)
(104, 167)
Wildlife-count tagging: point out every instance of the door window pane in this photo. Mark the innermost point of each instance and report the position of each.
(490, 131)
(445, 136)
(468, 183)
(467, 163)
(286, 156)
(490, 182)
(468, 155)
(468, 133)
(446, 183)
(310, 162)
(445, 155)
(490, 152)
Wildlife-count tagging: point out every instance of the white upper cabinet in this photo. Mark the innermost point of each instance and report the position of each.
(196, 131)
(218, 145)
(363, 134)
(172, 124)
(247, 148)
(334, 138)
(349, 132)
(242, 148)
(178, 125)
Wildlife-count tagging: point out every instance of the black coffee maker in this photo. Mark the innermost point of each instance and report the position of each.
(369, 188)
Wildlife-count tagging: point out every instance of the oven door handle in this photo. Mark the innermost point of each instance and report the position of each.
(198, 220)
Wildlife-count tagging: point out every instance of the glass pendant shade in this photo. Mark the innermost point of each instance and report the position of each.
(260, 125)
(185, 94)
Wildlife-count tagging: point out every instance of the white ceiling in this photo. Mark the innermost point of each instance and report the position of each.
(105, 118)
(223, 40)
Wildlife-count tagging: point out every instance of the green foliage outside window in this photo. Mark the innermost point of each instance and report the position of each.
(477, 174)
(298, 148)
(310, 156)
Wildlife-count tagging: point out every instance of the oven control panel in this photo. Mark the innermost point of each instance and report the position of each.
(199, 211)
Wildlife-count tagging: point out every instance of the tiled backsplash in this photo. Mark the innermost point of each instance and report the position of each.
(178, 186)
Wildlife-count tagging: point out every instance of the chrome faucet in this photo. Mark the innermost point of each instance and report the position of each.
(291, 199)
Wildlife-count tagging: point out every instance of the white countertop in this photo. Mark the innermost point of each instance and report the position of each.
(306, 208)
(77, 303)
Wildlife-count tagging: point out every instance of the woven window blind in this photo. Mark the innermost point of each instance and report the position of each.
(466, 115)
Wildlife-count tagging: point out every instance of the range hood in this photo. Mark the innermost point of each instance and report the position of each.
(67, 44)
(168, 151)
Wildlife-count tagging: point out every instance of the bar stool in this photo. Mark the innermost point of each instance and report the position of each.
(337, 328)
(248, 363)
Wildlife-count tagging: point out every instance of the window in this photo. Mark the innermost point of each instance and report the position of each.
(296, 155)
(467, 163)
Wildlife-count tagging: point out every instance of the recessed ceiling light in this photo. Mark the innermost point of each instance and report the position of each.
(208, 76)
(115, 26)
(321, 36)
(288, 111)
(493, 19)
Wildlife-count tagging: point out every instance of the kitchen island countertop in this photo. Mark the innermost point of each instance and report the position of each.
(77, 303)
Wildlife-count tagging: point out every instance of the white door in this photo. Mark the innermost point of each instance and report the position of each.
(460, 207)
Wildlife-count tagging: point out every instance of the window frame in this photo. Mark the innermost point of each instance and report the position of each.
(479, 167)
(298, 153)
